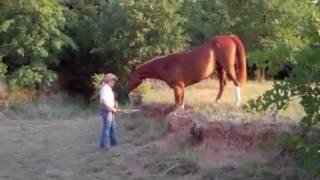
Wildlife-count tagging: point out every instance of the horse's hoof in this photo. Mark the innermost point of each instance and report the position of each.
(238, 104)
(179, 108)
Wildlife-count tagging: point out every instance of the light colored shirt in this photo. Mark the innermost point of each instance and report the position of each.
(107, 96)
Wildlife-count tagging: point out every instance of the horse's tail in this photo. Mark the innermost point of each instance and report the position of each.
(242, 62)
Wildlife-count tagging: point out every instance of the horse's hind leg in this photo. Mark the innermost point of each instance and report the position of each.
(222, 82)
(227, 59)
(232, 75)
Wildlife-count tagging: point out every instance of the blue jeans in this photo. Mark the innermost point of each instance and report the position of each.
(108, 130)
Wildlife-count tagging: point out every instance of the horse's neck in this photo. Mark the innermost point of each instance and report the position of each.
(150, 71)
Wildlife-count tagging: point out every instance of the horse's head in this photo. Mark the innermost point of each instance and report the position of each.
(135, 79)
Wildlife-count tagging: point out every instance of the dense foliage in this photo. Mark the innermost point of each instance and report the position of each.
(295, 39)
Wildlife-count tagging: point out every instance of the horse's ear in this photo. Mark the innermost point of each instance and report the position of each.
(133, 68)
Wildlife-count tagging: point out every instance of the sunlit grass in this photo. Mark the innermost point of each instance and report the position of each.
(201, 97)
(49, 109)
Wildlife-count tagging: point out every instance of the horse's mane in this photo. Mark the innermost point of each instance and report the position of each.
(152, 60)
(149, 61)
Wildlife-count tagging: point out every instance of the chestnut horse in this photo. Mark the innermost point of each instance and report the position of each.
(224, 54)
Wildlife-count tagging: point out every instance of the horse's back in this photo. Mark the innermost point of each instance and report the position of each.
(201, 62)
(196, 64)
(222, 43)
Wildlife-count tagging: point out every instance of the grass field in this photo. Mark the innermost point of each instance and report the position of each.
(201, 96)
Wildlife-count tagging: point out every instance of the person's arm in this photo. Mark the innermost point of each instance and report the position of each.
(112, 109)
(116, 104)
(105, 97)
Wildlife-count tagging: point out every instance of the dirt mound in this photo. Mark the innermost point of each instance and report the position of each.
(219, 138)
(246, 136)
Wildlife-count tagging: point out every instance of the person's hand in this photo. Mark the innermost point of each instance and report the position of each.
(116, 105)
(114, 110)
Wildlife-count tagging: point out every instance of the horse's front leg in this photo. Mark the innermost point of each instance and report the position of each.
(182, 99)
(222, 83)
(178, 94)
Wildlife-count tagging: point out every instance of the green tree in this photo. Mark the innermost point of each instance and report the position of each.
(78, 65)
(31, 35)
(131, 31)
(207, 18)
(248, 19)
(292, 28)
(136, 29)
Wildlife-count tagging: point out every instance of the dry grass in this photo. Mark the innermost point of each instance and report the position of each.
(205, 92)
(202, 95)
(59, 140)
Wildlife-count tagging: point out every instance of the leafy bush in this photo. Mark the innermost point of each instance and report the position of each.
(305, 86)
(3, 70)
(28, 76)
(144, 88)
(97, 80)
(19, 95)
(308, 151)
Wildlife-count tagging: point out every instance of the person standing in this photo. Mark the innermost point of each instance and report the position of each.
(107, 110)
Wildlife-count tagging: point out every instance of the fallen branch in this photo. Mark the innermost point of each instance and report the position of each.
(169, 169)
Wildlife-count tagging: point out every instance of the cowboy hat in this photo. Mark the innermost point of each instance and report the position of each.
(110, 76)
